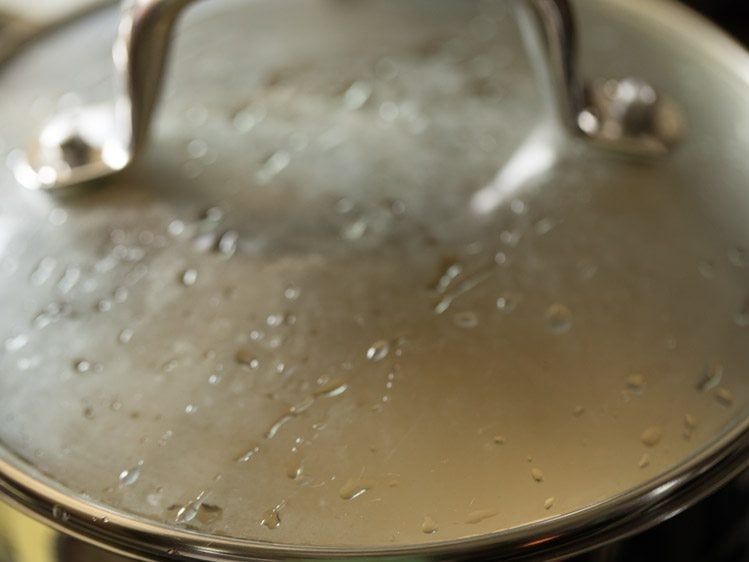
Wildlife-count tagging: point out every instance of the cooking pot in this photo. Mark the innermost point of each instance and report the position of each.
(391, 279)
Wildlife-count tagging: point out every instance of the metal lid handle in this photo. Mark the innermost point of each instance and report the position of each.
(92, 142)
(95, 141)
(626, 116)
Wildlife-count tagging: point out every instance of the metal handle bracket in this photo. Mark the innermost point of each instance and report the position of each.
(92, 142)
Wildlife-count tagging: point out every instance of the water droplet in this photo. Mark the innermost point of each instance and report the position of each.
(500, 439)
(429, 526)
(724, 396)
(711, 377)
(294, 464)
(176, 228)
(353, 488)
(130, 476)
(508, 301)
(191, 409)
(104, 305)
(82, 366)
(275, 320)
(247, 358)
(651, 436)
(501, 258)
(125, 336)
(690, 424)
(465, 320)
(544, 226)
(344, 206)
(537, 474)
(246, 457)
(378, 350)
(210, 513)
(443, 305)
(189, 277)
(636, 381)
(354, 230)
(292, 293)
(510, 238)
(120, 295)
(644, 461)
(247, 119)
(549, 503)
(228, 243)
(272, 518)
(397, 207)
(210, 219)
(14, 343)
(480, 515)
(49, 314)
(189, 511)
(302, 406)
(357, 95)
(274, 165)
(578, 411)
(464, 287)
(518, 206)
(68, 279)
(170, 366)
(451, 270)
(277, 425)
(332, 388)
(558, 319)
(197, 148)
(43, 271)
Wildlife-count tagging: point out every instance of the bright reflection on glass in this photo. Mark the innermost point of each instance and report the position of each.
(533, 158)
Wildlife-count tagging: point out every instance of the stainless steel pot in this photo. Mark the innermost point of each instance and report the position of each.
(379, 286)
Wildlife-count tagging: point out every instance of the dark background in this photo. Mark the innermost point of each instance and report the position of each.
(731, 15)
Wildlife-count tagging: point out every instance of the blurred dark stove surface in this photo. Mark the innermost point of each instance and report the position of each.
(714, 530)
